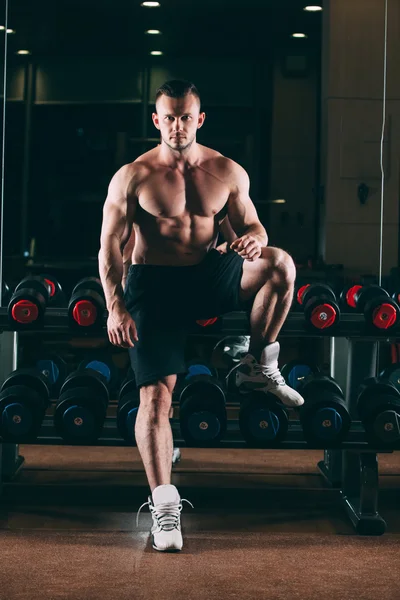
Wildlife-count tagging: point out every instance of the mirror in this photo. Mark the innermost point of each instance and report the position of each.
(4, 35)
(293, 95)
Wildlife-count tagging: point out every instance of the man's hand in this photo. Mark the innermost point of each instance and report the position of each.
(222, 248)
(247, 246)
(121, 327)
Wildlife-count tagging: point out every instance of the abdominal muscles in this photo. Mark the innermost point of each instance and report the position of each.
(182, 240)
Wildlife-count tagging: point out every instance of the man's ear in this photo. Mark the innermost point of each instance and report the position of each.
(156, 120)
(202, 118)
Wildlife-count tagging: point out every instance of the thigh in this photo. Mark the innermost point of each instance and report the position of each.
(160, 351)
(217, 286)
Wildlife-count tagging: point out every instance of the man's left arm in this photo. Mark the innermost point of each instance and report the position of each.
(243, 217)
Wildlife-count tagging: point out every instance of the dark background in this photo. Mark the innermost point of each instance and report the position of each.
(79, 106)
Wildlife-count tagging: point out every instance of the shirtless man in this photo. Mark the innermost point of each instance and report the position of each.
(162, 214)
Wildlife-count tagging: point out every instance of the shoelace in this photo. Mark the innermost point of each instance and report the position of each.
(269, 372)
(168, 518)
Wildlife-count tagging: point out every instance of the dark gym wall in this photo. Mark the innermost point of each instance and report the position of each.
(293, 156)
(240, 98)
(353, 59)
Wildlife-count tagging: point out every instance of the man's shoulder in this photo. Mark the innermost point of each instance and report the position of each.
(227, 168)
(133, 173)
(221, 161)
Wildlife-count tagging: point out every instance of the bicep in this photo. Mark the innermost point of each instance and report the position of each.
(118, 209)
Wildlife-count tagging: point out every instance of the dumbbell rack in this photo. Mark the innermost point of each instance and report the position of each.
(352, 467)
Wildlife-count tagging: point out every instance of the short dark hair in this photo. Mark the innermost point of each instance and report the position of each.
(177, 88)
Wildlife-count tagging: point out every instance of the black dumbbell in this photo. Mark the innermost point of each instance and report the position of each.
(87, 303)
(396, 297)
(228, 352)
(81, 408)
(57, 296)
(207, 325)
(54, 368)
(263, 421)
(318, 301)
(295, 371)
(379, 309)
(195, 366)
(24, 399)
(128, 406)
(392, 373)
(202, 411)
(28, 302)
(102, 362)
(324, 417)
(378, 406)
(5, 293)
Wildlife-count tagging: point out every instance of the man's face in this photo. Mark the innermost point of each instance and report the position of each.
(178, 120)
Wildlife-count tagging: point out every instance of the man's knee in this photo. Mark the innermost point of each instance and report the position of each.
(279, 265)
(156, 398)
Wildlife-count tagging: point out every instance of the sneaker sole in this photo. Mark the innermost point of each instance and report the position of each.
(242, 390)
(172, 550)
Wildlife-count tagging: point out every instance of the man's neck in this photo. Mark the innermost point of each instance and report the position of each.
(179, 159)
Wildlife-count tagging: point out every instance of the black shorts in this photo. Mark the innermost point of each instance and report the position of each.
(165, 301)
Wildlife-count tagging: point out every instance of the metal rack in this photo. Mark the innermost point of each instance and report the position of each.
(352, 467)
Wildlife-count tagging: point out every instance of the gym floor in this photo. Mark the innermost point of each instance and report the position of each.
(264, 525)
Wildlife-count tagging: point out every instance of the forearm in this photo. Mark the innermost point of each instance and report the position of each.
(111, 273)
(256, 231)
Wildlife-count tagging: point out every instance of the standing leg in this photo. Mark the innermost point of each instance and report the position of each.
(153, 431)
(154, 440)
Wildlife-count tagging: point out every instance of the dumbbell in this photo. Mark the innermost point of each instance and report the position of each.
(128, 406)
(195, 366)
(318, 301)
(54, 369)
(380, 310)
(378, 406)
(57, 296)
(392, 373)
(199, 366)
(228, 351)
(202, 411)
(324, 417)
(87, 303)
(5, 293)
(81, 408)
(102, 362)
(295, 371)
(24, 398)
(203, 325)
(263, 421)
(28, 302)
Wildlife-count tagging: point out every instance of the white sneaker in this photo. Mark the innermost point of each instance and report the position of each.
(166, 512)
(176, 456)
(250, 376)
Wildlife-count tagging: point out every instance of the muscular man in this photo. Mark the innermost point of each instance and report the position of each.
(163, 213)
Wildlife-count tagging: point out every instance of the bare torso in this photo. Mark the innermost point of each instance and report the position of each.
(177, 211)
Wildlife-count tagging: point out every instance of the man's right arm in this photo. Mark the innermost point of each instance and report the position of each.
(118, 216)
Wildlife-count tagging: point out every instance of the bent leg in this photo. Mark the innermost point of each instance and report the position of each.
(270, 281)
(153, 430)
